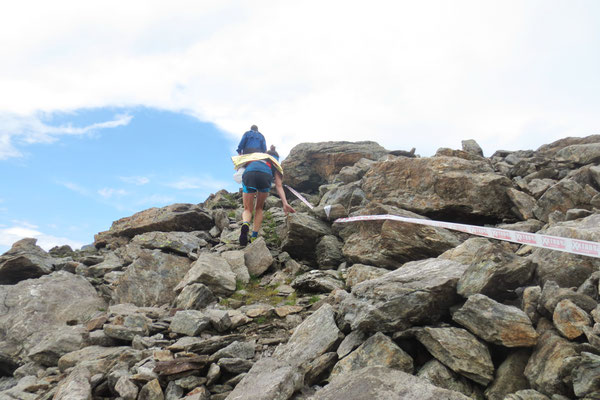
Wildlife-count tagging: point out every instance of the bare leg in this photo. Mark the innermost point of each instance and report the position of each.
(258, 212)
(248, 199)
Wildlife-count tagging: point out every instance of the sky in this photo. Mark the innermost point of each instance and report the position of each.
(108, 108)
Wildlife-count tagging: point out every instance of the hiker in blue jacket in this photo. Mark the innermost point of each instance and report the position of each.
(256, 184)
(252, 142)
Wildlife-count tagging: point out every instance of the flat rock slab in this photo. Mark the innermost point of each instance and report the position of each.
(496, 323)
(75, 387)
(418, 293)
(183, 243)
(383, 384)
(182, 364)
(459, 350)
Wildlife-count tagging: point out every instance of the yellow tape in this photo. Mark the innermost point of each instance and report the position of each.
(240, 161)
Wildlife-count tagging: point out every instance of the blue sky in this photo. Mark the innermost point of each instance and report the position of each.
(108, 108)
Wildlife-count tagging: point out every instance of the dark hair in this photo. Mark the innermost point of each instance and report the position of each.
(254, 128)
(273, 152)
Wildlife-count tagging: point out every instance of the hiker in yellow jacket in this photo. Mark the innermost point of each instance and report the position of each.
(261, 170)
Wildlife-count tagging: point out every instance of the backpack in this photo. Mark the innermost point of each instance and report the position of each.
(254, 142)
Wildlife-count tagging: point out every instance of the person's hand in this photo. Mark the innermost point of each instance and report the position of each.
(288, 209)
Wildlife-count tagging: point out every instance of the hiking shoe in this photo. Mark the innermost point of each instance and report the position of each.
(252, 239)
(244, 234)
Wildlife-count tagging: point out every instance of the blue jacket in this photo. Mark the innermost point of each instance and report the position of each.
(252, 142)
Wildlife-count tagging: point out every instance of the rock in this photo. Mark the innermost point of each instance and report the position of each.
(219, 319)
(111, 263)
(567, 269)
(236, 260)
(195, 297)
(268, 379)
(75, 387)
(472, 147)
(460, 351)
(128, 326)
(312, 338)
(317, 281)
(552, 295)
(189, 322)
(378, 350)
(176, 217)
(204, 346)
(97, 359)
(570, 319)
(32, 310)
(284, 311)
(383, 384)
(64, 339)
(494, 270)
(389, 243)
(522, 202)
(319, 368)
(234, 365)
(151, 391)
(126, 389)
(350, 342)
(213, 374)
(180, 365)
(257, 257)
(564, 195)
(183, 243)
(243, 350)
(510, 376)
(553, 358)
(530, 302)
(527, 394)
(150, 279)
(496, 323)
(586, 376)
(359, 273)
(212, 271)
(420, 292)
(341, 199)
(443, 377)
(329, 252)
(25, 260)
(580, 154)
(531, 226)
(310, 165)
(301, 234)
(438, 186)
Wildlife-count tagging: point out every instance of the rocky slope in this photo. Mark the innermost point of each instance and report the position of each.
(166, 305)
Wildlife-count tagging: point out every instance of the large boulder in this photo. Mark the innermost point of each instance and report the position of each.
(441, 187)
(150, 279)
(443, 377)
(383, 383)
(175, 217)
(35, 310)
(563, 196)
(213, 271)
(580, 154)
(301, 235)
(388, 243)
(310, 165)
(183, 243)
(418, 293)
(567, 269)
(25, 260)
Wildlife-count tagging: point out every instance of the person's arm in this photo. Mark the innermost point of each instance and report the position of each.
(242, 144)
(263, 144)
(279, 187)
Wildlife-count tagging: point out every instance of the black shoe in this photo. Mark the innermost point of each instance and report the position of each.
(244, 234)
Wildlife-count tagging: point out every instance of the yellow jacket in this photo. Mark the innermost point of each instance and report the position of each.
(240, 161)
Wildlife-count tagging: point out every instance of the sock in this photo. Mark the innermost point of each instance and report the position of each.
(254, 234)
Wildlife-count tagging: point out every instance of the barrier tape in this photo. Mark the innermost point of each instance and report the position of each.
(300, 197)
(567, 245)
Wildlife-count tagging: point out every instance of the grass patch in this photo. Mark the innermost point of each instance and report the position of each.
(269, 227)
(314, 299)
(292, 299)
(253, 293)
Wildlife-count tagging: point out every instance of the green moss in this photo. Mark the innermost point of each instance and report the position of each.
(291, 299)
(314, 299)
(260, 320)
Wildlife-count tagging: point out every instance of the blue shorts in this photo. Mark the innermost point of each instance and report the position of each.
(256, 181)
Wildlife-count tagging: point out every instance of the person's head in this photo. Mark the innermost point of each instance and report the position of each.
(273, 152)
(254, 128)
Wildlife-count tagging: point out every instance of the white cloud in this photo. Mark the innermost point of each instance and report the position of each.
(12, 234)
(135, 180)
(107, 193)
(405, 73)
(75, 188)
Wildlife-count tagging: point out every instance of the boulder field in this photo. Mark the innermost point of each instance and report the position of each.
(166, 305)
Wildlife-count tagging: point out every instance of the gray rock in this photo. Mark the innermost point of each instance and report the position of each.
(329, 252)
(75, 387)
(235, 365)
(347, 197)
(460, 351)
(472, 147)
(350, 342)
(64, 339)
(175, 217)
(32, 310)
(383, 384)
(586, 376)
(317, 281)
(189, 322)
(527, 394)
(564, 195)
(195, 297)
(151, 391)
(173, 391)
(530, 302)
(126, 388)
(420, 292)
(319, 368)
(531, 226)
(212, 271)
(553, 359)
(496, 323)
(268, 379)
(567, 269)
(111, 263)
(493, 269)
(204, 346)
(301, 234)
(523, 204)
(310, 165)
(219, 319)
(570, 319)
(236, 260)
(244, 350)
(25, 260)
(552, 294)
(580, 154)
(128, 326)
(183, 243)
(150, 279)
(390, 243)
(257, 257)
(312, 338)
(359, 273)
(510, 376)
(213, 374)
(443, 377)
(378, 350)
